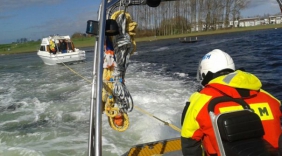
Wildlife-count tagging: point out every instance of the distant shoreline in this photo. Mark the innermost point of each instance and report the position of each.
(156, 38)
(208, 33)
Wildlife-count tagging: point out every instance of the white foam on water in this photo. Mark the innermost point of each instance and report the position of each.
(52, 108)
(18, 151)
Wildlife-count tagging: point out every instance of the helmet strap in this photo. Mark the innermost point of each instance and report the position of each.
(209, 76)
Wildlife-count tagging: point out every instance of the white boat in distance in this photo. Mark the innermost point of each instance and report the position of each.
(51, 52)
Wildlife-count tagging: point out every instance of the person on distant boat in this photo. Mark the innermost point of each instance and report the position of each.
(63, 46)
(219, 78)
(52, 47)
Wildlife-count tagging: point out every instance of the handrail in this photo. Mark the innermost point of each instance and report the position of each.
(97, 82)
(96, 95)
(92, 107)
(98, 115)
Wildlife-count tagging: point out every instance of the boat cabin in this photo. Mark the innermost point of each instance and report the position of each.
(51, 44)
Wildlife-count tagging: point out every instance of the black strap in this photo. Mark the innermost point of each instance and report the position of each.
(221, 99)
(184, 112)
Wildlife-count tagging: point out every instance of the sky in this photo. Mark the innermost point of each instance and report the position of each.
(35, 19)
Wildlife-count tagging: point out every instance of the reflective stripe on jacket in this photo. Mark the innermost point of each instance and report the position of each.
(197, 125)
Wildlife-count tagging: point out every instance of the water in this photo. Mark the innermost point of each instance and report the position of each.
(44, 110)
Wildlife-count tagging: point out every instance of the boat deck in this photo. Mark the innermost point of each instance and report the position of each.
(170, 147)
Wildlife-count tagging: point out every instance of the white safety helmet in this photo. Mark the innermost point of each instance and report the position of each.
(214, 61)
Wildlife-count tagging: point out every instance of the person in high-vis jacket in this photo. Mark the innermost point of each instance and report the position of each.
(219, 78)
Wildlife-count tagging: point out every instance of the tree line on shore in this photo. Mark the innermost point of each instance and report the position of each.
(183, 16)
(178, 17)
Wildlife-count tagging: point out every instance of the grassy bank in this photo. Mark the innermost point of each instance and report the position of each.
(87, 42)
(28, 47)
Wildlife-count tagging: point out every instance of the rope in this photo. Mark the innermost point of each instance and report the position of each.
(73, 70)
(77, 73)
(118, 128)
(116, 98)
(124, 126)
(165, 123)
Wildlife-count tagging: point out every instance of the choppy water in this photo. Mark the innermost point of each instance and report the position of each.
(44, 110)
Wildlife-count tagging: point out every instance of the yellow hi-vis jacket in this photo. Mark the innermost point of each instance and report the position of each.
(197, 127)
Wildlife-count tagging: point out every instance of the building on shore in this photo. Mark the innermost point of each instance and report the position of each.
(248, 22)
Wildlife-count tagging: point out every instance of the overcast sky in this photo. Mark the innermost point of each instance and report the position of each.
(34, 19)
